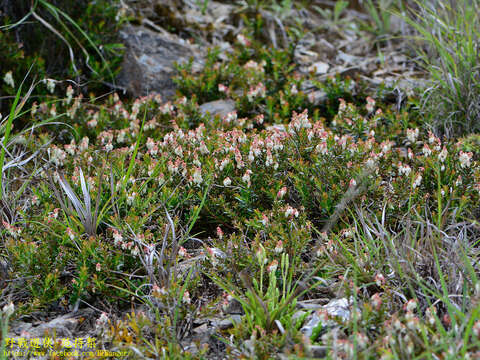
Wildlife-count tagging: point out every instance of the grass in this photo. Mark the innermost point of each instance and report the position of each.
(166, 219)
(450, 32)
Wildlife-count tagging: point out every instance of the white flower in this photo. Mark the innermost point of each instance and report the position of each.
(412, 135)
(426, 150)
(281, 193)
(465, 159)
(117, 237)
(476, 329)
(386, 146)
(411, 305)
(69, 94)
(418, 181)
(135, 251)
(8, 309)
(227, 181)
(182, 252)
(370, 104)
(8, 78)
(230, 117)
(291, 211)
(57, 155)
(83, 144)
(379, 279)
(279, 247)
(404, 169)
(443, 154)
(243, 40)
(272, 267)
(197, 176)
(370, 163)
(376, 301)
(70, 233)
(186, 297)
(246, 177)
(102, 320)
(130, 198)
(50, 85)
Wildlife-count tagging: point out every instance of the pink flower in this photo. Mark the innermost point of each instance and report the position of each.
(281, 193)
(272, 267)
(411, 305)
(291, 212)
(219, 233)
(222, 88)
(279, 247)
(186, 297)
(465, 159)
(379, 279)
(182, 252)
(376, 301)
(70, 233)
(98, 267)
(243, 40)
(370, 104)
(476, 329)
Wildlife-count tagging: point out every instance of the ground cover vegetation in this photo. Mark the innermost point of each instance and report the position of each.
(289, 228)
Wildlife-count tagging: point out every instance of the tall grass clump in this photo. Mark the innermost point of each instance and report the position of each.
(451, 31)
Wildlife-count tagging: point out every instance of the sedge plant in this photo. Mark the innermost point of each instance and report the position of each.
(450, 34)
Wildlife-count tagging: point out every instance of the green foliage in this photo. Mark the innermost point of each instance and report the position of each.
(450, 31)
(347, 191)
(82, 34)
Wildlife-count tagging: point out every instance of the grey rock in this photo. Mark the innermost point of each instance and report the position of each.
(336, 308)
(318, 351)
(63, 326)
(312, 304)
(234, 307)
(317, 97)
(319, 67)
(339, 308)
(149, 62)
(202, 329)
(218, 107)
(229, 322)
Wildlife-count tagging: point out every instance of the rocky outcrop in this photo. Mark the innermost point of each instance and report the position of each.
(150, 58)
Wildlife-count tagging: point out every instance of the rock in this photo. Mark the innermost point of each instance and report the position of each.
(234, 307)
(319, 68)
(312, 304)
(202, 329)
(339, 308)
(317, 97)
(229, 322)
(218, 107)
(318, 351)
(336, 308)
(149, 60)
(63, 326)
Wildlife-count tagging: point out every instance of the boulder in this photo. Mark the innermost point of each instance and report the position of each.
(217, 107)
(149, 61)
